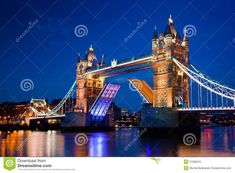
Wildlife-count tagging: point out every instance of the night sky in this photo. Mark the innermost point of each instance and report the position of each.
(47, 54)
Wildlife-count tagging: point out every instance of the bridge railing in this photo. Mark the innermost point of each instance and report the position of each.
(134, 58)
(121, 62)
(206, 108)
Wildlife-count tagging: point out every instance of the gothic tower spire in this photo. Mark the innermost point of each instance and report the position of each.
(155, 33)
(102, 61)
(170, 20)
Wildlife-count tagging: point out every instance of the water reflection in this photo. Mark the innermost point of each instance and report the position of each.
(215, 141)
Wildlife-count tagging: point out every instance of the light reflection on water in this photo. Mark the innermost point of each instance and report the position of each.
(215, 141)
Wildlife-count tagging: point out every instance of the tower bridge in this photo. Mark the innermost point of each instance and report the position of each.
(171, 94)
(169, 83)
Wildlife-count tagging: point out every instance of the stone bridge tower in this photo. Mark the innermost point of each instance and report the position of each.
(170, 84)
(88, 87)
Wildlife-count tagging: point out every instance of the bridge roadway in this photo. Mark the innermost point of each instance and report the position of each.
(120, 67)
(47, 117)
(189, 110)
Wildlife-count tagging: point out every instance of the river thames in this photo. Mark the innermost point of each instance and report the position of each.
(215, 141)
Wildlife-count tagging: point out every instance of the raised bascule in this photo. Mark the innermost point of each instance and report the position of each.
(168, 101)
(170, 88)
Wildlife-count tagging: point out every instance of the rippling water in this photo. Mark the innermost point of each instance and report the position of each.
(215, 141)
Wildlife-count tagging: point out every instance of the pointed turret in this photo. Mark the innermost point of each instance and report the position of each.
(91, 49)
(170, 20)
(91, 58)
(155, 40)
(86, 55)
(185, 41)
(102, 61)
(155, 33)
(79, 57)
(185, 37)
(170, 29)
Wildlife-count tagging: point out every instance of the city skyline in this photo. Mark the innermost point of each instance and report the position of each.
(47, 54)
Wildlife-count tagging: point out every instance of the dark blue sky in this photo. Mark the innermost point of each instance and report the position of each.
(47, 54)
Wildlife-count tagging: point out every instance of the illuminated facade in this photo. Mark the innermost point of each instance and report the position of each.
(101, 105)
(170, 84)
(88, 86)
(40, 105)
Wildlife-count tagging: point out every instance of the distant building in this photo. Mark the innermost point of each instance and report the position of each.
(40, 105)
(11, 110)
(124, 112)
(114, 110)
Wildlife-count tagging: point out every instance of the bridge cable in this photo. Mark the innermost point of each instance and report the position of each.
(191, 92)
(207, 83)
(62, 102)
